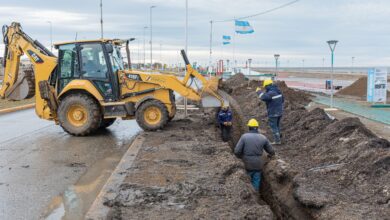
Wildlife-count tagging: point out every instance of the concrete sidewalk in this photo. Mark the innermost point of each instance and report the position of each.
(358, 108)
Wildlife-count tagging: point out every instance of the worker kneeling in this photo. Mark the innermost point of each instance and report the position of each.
(225, 118)
(250, 148)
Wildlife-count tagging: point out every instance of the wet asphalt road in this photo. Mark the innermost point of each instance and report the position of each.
(39, 162)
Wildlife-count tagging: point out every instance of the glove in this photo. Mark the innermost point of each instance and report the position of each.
(258, 89)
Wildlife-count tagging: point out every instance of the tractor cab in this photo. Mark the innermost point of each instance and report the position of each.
(97, 61)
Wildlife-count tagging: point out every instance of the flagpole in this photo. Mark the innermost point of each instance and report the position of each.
(234, 50)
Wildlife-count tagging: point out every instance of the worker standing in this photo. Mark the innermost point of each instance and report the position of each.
(250, 148)
(225, 118)
(273, 98)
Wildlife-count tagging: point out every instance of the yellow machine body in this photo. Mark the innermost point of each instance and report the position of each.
(81, 104)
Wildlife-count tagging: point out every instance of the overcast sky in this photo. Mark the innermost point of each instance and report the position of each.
(297, 32)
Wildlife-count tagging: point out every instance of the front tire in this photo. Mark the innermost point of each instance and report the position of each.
(152, 115)
(107, 123)
(79, 114)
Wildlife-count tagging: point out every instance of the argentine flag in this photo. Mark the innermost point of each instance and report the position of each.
(243, 27)
(226, 39)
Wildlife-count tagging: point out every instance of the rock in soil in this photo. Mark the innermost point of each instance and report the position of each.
(187, 172)
(327, 169)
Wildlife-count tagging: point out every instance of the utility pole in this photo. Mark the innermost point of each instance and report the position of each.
(151, 36)
(211, 48)
(353, 62)
(332, 45)
(101, 18)
(145, 47)
(51, 35)
(303, 65)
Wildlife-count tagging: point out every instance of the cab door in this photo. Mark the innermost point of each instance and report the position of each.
(96, 68)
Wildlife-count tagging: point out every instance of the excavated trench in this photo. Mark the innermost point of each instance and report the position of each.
(325, 169)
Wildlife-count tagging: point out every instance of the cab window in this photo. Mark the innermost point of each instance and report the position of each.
(93, 61)
(67, 64)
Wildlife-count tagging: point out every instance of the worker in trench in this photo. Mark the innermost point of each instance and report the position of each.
(225, 118)
(250, 147)
(273, 98)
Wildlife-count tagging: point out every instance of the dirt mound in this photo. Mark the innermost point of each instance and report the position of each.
(327, 169)
(187, 172)
(233, 82)
(357, 89)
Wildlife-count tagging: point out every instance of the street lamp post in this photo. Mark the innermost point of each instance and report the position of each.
(51, 35)
(276, 64)
(151, 36)
(101, 19)
(332, 45)
(249, 66)
(145, 47)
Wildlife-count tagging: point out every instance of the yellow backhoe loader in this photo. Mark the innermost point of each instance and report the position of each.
(86, 87)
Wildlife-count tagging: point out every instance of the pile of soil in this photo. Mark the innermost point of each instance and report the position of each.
(187, 172)
(326, 169)
(357, 89)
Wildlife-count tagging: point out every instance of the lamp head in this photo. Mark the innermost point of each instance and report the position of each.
(332, 44)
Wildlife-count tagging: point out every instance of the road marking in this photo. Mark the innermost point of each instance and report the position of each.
(98, 211)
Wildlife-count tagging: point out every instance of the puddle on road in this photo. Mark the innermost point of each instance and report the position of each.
(77, 199)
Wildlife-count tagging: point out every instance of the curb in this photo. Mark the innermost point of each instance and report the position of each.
(98, 211)
(18, 108)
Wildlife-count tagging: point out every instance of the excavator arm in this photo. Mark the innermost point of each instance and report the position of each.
(17, 85)
(209, 86)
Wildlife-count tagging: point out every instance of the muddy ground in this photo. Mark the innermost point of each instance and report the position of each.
(187, 172)
(326, 169)
(10, 104)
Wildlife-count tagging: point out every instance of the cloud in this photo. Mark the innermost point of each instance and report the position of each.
(297, 32)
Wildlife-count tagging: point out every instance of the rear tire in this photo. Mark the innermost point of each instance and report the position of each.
(79, 114)
(152, 115)
(107, 123)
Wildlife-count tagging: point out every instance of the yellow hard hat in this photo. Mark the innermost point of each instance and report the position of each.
(253, 123)
(267, 82)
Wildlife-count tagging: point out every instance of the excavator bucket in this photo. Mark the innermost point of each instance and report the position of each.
(209, 93)
(24, 87)
(209, 99)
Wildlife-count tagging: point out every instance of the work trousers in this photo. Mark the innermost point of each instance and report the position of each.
(255, 179)
(274, 123)
(225, 132)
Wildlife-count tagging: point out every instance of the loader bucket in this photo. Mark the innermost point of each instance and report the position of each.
(24, 87)
(209, 99)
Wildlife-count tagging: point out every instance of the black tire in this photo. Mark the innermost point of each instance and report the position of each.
(92, 114)
(171, 118)
(107, 123)
(140, 115)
